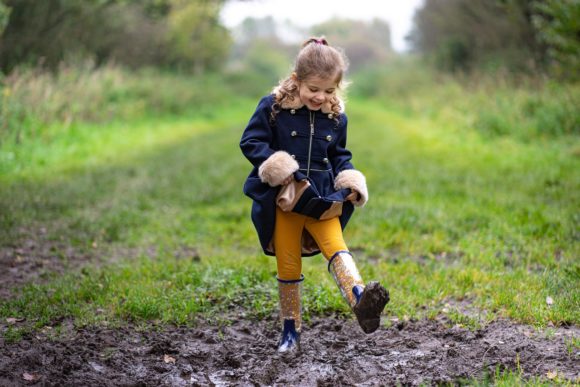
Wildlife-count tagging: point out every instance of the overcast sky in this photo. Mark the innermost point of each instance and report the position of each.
(398, 13)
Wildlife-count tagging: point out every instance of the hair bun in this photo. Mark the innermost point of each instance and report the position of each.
(320, 40)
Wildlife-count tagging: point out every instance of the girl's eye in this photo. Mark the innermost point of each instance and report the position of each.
(313, 90)
(329, 91)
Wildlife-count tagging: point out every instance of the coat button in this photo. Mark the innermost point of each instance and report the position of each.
(293, 111)
(325, 160)
(329, 138)
(293, 133)
(330, 116)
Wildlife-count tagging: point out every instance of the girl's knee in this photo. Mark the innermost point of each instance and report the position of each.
(328, 236)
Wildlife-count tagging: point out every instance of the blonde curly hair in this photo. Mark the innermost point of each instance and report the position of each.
(316, 58)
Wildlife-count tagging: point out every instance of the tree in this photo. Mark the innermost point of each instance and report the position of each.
(460, 34)
(558, 26)
(195, 34)
(43, 30)
(132, 32)
(4, 16)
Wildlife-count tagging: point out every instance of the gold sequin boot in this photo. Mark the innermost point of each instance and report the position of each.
(290, 314)
(367, 302)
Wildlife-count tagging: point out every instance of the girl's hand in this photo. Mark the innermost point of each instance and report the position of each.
(288, 180)
(354, 196)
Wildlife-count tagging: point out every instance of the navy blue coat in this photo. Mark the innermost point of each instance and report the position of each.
(291, 132)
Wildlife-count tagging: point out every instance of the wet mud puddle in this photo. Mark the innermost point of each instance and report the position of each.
(333, 352)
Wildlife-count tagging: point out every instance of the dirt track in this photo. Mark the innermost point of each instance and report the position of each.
(33, 258)
(334, 352)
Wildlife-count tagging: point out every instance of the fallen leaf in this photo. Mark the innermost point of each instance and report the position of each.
(168, 359)
(13, 320)
(30, 377)
(549, 300)
(551, 374)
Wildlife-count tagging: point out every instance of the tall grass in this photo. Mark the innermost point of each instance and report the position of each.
(39, 104)
(35, 104)
(494, 104)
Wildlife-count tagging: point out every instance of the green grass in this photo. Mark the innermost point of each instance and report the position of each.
(453, 215)
(510, 378)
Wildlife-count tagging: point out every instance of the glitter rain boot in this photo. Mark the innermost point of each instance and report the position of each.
(367, 302)
(290, 314)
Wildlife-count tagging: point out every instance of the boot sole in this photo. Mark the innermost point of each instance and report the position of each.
(368, 310)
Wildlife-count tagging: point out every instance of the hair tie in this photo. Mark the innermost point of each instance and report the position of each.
(320, 41)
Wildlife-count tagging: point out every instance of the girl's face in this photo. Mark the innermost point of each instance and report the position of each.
(315, 91)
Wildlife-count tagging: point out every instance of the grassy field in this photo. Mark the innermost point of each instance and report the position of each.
(457, 221)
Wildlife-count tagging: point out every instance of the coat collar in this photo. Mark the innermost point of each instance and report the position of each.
(294, 102)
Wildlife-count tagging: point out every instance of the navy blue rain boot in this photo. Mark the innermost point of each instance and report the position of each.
(290, 340)
(367, 302)
(290, 314)
(371, 301)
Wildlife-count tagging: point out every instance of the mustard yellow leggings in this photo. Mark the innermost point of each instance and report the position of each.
(287, 240)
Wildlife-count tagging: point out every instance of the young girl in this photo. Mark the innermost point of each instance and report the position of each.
(304, 187)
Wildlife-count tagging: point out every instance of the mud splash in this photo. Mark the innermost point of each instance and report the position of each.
(334, 352)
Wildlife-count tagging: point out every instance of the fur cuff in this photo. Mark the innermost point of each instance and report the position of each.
(277, 167)
(355, 180)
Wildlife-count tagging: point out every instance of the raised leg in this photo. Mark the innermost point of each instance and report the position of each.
(367, 302)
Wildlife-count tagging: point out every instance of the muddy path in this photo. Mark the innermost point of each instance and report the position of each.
(334, 352)
(35, 257)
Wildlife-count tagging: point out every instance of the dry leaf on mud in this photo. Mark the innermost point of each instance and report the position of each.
(549, 300)
(168, 359)
(551, 374)
(30, 377)
(13, 320)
